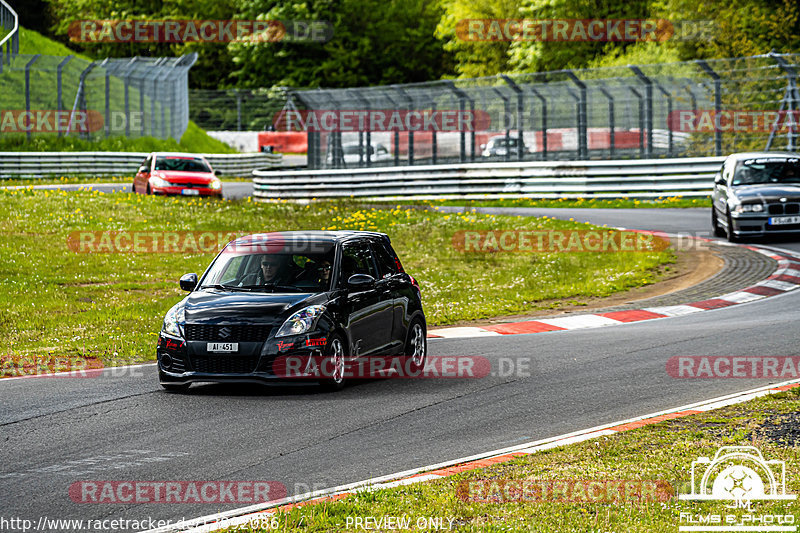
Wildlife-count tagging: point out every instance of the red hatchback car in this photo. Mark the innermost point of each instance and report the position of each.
(179, 174)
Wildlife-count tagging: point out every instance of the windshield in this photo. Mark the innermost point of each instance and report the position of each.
(767, 170)
(183, 164)
(273, 272)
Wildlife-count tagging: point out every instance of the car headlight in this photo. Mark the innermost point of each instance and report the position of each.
(301, 322)
(747, 208)
(160, 182)
(215, 184)
(174, 320)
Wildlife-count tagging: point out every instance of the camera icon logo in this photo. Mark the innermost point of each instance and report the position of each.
(738, 473)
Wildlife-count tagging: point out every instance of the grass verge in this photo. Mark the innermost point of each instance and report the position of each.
(109, 306)
(610, 203)
(662, 452)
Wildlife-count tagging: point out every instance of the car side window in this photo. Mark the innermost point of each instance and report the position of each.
(357, 259)
(147, 163)
(386, 261)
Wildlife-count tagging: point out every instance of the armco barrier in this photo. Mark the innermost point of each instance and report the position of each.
(42, 164)
(636, 178)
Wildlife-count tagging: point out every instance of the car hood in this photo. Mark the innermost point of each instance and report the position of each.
(767, 191)
(213, 306)
(175, 176)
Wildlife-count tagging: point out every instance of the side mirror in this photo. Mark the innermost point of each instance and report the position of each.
(142, 169)
(188, 281)
(215, 172)
(483, 147)
(361, 282)
(718, 179)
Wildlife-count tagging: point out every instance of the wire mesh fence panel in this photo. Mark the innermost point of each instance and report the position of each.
(696, 108)
(56, 96)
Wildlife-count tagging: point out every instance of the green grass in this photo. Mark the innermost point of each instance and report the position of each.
(43, 97)
(110, 305)
(194, 140)
(33, 42)
(664, 451)
(612, 203)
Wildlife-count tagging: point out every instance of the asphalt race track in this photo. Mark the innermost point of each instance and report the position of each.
(122, 427)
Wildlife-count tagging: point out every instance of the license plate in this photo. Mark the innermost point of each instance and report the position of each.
(190, 192)
(777, 221)
(222, 347)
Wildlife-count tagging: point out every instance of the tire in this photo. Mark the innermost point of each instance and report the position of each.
(335, 350)
(718, 232)
(416, 349)
(133, 187)
(729, 230)
(149, 192)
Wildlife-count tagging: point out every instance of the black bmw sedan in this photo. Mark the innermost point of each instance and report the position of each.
(756, 194)
(294, 305)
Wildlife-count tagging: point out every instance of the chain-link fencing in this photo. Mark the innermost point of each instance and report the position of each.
(697, 108)
(135, 97)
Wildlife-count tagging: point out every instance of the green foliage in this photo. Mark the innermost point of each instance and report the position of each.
(194, 140)
(374, 42)
(213, 65)
(476, 58)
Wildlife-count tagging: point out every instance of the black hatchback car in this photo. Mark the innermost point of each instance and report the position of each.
(293, 305)
(756, 194)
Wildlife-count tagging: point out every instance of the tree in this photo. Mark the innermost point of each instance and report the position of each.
(374, 42)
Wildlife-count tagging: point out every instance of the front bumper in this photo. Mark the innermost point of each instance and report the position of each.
(180, 191)
(181, 362)
(748, 224)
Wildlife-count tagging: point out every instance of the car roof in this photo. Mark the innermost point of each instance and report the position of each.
(300, 237)
(178, 154)
(754, 155)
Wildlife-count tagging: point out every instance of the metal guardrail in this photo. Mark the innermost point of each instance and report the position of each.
(42, 164)
(642, 178)
(9, 21)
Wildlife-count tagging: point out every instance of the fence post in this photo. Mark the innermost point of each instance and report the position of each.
(410, 102)
(582, 116)
(462, 97)
(611, 135)
(60, 102)
(791, 101)
(107, 97)
(668, 94)
(717, 102)
(641, 120)
(543, 101)
(505, 115)
(648, 100)
(520, 110)
(238, 109)
(28, 89)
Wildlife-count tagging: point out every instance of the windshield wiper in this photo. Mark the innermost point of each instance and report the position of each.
(225, 287)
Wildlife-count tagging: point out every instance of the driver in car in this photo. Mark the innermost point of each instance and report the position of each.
(273, 270)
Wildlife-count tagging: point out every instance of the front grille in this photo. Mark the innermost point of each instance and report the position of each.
(783, 209)
(783, 227)
(238, 333)
(223, 364)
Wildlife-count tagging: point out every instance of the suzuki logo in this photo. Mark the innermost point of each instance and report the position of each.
(224, 333)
